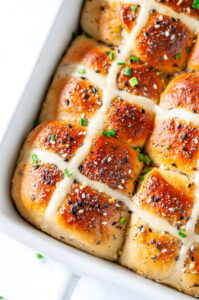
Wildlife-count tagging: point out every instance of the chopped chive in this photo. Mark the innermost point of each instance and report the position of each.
(178, 56)
(82, 71)
(39, 256)
(67, 174)
(188, 49)
(1, 297)
(53, 138)
(121, 63)
(133, 8)
(127, 71)
(111, 56)
(83, 122)
(181, 139)
(147, 160)
(182, 234)
(141, 178)
(133, 81)
(138, 149)
(196, 4)
(35, 160)
(134, 58)
(141, 157)
(148, 171)
(110, 133)
(122, 220)
(105, 133)
(167, 147)
(107, 52)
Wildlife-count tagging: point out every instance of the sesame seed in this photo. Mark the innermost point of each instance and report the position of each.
(104, 223)
(164, 250)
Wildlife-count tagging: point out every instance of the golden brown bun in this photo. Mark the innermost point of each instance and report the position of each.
(174, 144)
(106, 20)
(33, 187)
(190, 271)
(90, 53)
(182, 92)
(156, 47)
(167, 195)
(112, 163)
(93, 220)
(149, 252)
(151, 83)
(185, 6)
(131, 123)
(193, 62)
(71, 96)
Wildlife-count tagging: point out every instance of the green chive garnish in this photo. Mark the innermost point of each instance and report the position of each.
(178, 56)
(1, 297)
(122, 220)
(110, 133)
(141, 157)
(133, 8)
(82, 71)
(67, 174)
(127, 71)
(121, 63)
(39, 256)
(134, 58)
(105, 133)
(35, 160)
(188, 49)
(83, 122)
(133, 81)
(144, 173)
(181, 139)
(182, 234)
(145, 158)
(167, 147)
(141, 179)
(196, 4)
(107, 52)
(138, 149)
(111, 56)
(53, 138)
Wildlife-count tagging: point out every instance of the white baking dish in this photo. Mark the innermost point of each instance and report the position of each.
(11, 223)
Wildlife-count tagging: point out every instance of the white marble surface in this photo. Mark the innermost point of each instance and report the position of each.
(23, 28)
